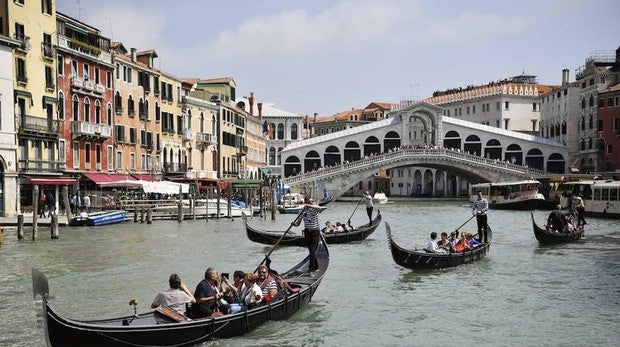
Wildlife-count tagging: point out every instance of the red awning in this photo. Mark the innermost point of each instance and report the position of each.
(100, 178)
(145, 177)
(50, 181)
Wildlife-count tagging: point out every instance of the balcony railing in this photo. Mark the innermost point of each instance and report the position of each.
(40, 165)
(92, 130)
(38, 124)
(65, 42)
(187, 135)
(175, 167)
(205, 138)
(242, 150)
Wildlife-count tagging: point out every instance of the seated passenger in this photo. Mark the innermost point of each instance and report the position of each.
(338, 228)
(473, 243)
(454, 238)
(267, 283)
(432, 244)
(462, 245)
(444, 243)
(250, 293)
(329, 228)
(176, 297)
(207, 295)
(233, 290)
(557, 220)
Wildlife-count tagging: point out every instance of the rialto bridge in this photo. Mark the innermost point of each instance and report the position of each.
(442, 151)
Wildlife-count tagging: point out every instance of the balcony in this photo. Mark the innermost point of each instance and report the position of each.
(38, 125)
(187, 135)
(175, 168)
(84, 49)
(205, 139)
(91, 130)
(242, 150)
(24, 45)
(39, 165)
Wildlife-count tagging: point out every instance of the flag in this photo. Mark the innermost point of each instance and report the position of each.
(265, 127)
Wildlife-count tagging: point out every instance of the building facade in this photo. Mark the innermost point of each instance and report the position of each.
(608, 115)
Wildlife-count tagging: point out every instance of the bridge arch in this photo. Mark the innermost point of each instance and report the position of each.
(312, 161)
(493, 149)
(473, 145)
(292, 166)
(391, 140)
(352, 151)
(452, 139)
(372, 146)
(556, 163)
(332, 156)
(514, 154)
(534, 158)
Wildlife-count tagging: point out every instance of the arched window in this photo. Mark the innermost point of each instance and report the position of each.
(583, 103)
(294, 131)
(109, 114)
(76, 108)
(280, 131)
(272, 156)
(97, 112)
(118, 100)
(591, 100)
(86, 109)
(61, 105)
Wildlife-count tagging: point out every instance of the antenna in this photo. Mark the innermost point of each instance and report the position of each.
(111, 32)
(79, 7)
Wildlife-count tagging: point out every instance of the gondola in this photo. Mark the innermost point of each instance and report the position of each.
(292, 239)
(550, 237)
(421, 259)
(325, 201)
(155, 328)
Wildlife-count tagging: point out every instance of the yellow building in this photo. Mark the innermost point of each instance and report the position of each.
(175, 135)
(33, 24)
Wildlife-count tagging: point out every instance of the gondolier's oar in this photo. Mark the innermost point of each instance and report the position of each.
(356, 206)
(295, 222)
(462, 225)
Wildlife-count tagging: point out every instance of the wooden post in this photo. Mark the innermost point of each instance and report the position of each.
(207, 206)
(274, 203)
(65, 201)
(35, 211)
(260, 200)
(20, 226)
(142, 215)
(193, 206)
(180, 206)
(54, 226)
(229, 203)
(149, 216)
(1, 232)
(135, 215)
(217, 203)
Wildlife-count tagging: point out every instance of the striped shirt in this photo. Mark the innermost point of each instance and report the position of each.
(480, 206)
(311, 219)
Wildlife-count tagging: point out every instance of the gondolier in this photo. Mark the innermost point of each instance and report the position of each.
(310, 216)
(479, 209)
(369, 206)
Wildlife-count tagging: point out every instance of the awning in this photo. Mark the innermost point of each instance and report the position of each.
(238, 183)
(165, 187)
(145, 177)
(50, 181)
(265, 170)
(105, 179)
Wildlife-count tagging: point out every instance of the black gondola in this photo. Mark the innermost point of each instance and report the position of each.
(550, 237)
(154, 329)
(271, 237)
(325, 201)
(421, 259)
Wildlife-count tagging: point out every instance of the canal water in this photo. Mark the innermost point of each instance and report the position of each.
(520, 294)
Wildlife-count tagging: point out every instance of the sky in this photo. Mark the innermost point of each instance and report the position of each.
(329, 56)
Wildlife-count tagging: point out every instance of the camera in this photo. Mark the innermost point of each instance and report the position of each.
(225, 274)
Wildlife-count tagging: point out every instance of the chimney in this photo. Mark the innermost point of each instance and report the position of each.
(251, 100)
(259, 105)
(134, 54)
(565, 76)
(315, 114)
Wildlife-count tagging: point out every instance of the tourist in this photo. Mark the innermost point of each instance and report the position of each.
(444, 243)
(462, 245)
(369, 206)
(175, 297)
(86, 203)
(473, 243)
(41, 206)
(432, 246)
(329, 228)
(338, 228)
(233, 290)
(251, 295)
(454, 238)
(557, 220)
(479, 209)
(50, 202)
(266, 282)
(207, 295)
(310, 217)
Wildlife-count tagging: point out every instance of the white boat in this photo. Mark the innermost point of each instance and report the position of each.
(601, 197)
(520, 195)
(380, 198)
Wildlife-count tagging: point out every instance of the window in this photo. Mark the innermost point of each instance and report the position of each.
(62, 156)
(61, 105)
(74, 68)
(20, 32)
(143, 161)
(617, 124)
(132, 135)
(76, 155)
(534, 106)
(46, 6)
(506, 105)
(506, 123)
(109, 114)
(118, 71)
(591, 122)
(97, 75)
(591, 103)
(97, 112)
(294, 132)
(75, 108)
(132, 161)
(87, 155)
(467, 109)
(119, 133)
(110, 162)
(19, 2)
(108, 79)
(129, 71)
(49, 77)
(20, 66)
(119, 160)
(46, 46)
(130, 106)
(600, 125)
(86, 110)
(98, 156)
(497, 105)
(610, 149)
(610, 102)
(60, 66)
(473, 109)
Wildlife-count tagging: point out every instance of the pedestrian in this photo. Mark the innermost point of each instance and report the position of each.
(51, 204)
(479, 209)
(310, 217)
(41, 207)
(369, 206)
(86, 203)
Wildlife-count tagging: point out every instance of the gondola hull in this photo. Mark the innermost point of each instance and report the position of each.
(546, 237)
(153, 329)
(291, 239)
(420, 259)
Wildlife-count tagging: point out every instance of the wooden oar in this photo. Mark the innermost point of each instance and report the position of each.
(462, 225)
(293, 223)
(356, 206)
